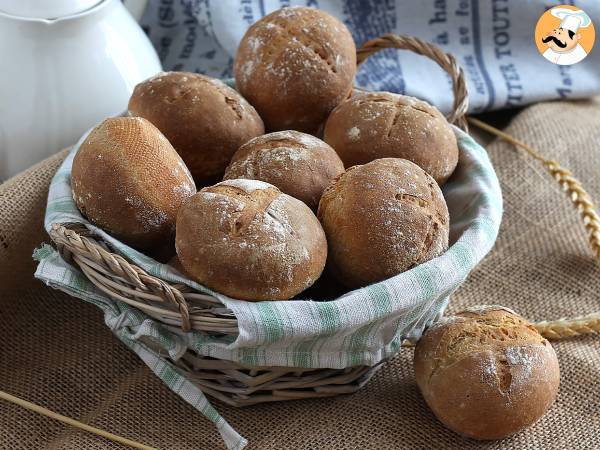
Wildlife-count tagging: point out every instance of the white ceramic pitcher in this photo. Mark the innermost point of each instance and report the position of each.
(64, 66)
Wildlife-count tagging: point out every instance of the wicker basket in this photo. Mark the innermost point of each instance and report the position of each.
(180, 306)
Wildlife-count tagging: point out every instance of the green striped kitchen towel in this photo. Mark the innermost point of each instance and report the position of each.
(363, 327)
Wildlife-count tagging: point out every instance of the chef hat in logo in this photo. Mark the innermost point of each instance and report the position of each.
(571, 19)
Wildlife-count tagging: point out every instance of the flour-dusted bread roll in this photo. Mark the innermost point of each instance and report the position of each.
(486, 372)
(381, 219)
(248, 240)
(204, 119)
(376, 125)
(298, 164)
(128, 180)
(295, 65)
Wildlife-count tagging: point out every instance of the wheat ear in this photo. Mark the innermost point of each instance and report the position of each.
(562, 328)
(569, 184)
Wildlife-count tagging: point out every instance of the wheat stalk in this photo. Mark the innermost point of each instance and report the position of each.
(581, 199)
(72, 422)
(562, 328)
(569, 184)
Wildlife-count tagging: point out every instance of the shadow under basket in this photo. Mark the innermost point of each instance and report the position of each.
(180, 308)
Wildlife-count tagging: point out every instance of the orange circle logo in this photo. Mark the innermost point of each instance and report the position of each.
(564, 35)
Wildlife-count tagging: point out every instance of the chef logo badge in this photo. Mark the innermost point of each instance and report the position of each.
(564, 35)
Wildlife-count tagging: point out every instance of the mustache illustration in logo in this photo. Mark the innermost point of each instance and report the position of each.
(556, 41)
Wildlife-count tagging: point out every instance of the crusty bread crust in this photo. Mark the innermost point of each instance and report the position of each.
(128, 180)
(299, 164)
(295, 65)
(204, 119)
(247, 240)
(381, 219)
(376, 125)
(486, 373)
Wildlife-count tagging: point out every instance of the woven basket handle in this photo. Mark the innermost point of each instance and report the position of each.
(445, 60)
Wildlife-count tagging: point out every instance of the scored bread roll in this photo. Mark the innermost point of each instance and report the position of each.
(299, 164)
(381, 219)
(128, 180)
(376, 125)
(248, 240)
(204, 119)
(295, 65)
(486, 372)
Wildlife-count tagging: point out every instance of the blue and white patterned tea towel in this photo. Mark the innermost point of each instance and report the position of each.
(493, 41)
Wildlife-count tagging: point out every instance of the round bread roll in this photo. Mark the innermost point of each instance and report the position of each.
(385, 125)
(295, 65)
(381, 219)
(248, 240)
(486, 372)
(128, 180)
(204, 119)
(298, 164)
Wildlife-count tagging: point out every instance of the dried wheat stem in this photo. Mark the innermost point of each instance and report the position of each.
(577, 326)
(561, 328)
(74, 423)
(582, 201)
(575, 191)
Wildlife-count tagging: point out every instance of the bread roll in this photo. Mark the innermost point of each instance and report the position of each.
(298, 164)
(384, 125)
(128, 180)
(381, 219)
(295, 65)
(486, 372)
(247, 240)
(205, 120)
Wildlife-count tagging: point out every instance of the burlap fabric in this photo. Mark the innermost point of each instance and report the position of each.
(57, 352)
